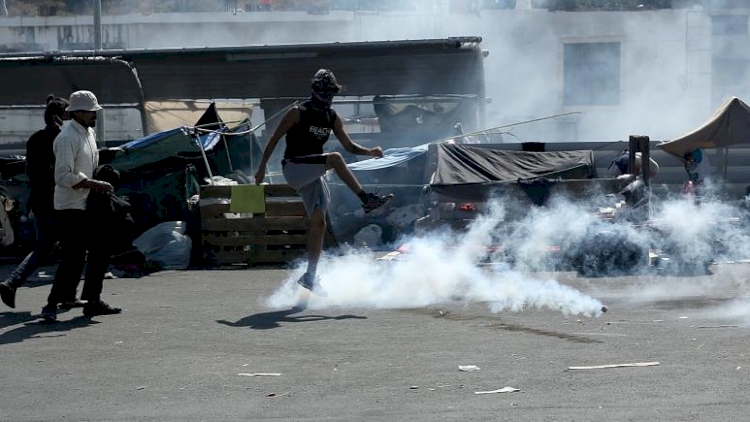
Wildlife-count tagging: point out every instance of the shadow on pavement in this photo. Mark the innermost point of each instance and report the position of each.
(268, 320)
(8, 319)
(34, 326)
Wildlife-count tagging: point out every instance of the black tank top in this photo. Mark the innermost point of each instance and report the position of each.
(308, 136)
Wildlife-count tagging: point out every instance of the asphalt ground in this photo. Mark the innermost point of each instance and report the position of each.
(203, 345)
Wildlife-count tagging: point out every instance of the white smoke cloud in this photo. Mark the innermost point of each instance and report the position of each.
(662, 82)
(438, 268)
(448, 267)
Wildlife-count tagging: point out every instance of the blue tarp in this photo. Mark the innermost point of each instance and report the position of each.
(391, 157)
(162, 145)
(209, 140)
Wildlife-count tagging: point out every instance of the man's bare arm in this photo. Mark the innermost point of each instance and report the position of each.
(349, 145)
(290, 119)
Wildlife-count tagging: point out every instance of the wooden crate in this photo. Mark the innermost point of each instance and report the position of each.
(277, 236)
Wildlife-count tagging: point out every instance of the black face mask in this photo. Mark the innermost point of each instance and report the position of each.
(322, 100)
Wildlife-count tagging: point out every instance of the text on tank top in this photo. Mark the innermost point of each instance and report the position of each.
(313, 130)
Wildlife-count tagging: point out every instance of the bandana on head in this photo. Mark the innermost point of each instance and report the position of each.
(324, 88)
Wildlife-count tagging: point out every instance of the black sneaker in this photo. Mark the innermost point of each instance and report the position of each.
(8, 294)
(373, 202)
(49, 313)
(314, 286)
(98, 307)
(70, 304)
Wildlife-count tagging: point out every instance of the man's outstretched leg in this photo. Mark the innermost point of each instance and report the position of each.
(314, 248)
(370, 201)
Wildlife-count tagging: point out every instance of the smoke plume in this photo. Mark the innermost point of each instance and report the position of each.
(498, 258)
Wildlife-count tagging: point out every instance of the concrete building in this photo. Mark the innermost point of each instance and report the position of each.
(658, 73)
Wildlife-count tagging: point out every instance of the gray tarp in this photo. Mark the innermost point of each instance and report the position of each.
(729, 125)
(470, 171)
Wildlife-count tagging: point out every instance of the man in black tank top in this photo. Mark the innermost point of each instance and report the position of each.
(307, 128)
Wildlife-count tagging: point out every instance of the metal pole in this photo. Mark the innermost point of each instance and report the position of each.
(97, 24)
(197, 137)
(100, 120)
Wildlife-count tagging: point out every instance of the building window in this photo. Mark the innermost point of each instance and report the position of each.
(591, 73)
(729, 25)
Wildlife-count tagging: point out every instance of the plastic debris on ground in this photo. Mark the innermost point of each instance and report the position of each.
(618, 365)
(502, 390)
(167, 245)
(259, 374)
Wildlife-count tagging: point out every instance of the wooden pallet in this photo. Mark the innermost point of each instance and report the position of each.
(277, 236)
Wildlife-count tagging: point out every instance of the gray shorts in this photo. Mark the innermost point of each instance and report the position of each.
(307, 180)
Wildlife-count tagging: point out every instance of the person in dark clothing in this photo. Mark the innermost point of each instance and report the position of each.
(40, 165)
(307, 127)
(112, 212)
(619, 166)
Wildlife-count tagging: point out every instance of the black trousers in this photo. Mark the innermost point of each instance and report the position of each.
(78, 234)
(42, 253)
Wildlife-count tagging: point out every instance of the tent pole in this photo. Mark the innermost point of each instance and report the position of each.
(226, 149)
(205, 158)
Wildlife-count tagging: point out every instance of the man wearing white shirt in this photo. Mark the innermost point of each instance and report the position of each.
(76, 158)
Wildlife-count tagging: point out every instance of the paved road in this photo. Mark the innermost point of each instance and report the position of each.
(178, 351)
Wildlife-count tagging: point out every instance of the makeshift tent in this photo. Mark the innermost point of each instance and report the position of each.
(729, 125)
(161, 172)
(226, 149)
(165, 115)
(471, 172)
(396, 156)
(159, 146)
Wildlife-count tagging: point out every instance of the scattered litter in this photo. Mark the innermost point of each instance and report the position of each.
(118, 342)
(247, 364)
(260, 374)
(141, 387)
(502, 390)
(683, 317)
(274, 395)
(618, 365)
(390, 256)
(414, 387)
(739, 367)
(468, 368)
